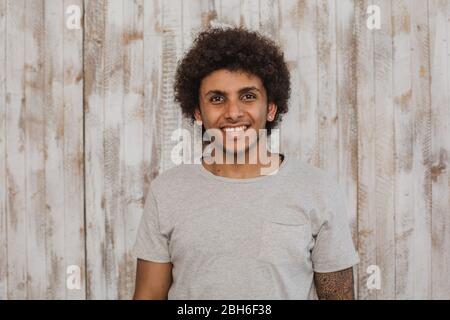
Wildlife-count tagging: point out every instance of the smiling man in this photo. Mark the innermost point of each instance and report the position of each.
(245, 223)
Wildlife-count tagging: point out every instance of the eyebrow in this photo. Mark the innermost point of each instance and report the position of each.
(224, 93)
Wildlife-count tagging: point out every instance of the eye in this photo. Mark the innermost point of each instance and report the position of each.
(249, 96)
(214, 99)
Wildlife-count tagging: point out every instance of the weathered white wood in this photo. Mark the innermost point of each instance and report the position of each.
(290, 42)
(113, 147)
(269, 19)
(64, 212)
(55, 125)
(94, 88)
(327, 118)
(42, 229)
(384, 152)
(169, 119)
(440, 139)
(303, 17)
(152, 66)
(35, 148)
(16, 146)
(134, 140)
(420, 65)
(403, 147)
(340, 135)
(250, 14)
(365, 95)
(192, 24)
(74, 219)
(229, 11)
(3, 137)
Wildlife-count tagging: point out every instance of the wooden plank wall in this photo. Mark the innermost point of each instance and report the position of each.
(86, 118)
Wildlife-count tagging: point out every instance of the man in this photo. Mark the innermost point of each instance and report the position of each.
(233, 230)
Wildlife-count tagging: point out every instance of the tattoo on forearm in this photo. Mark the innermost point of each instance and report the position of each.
(335, 285)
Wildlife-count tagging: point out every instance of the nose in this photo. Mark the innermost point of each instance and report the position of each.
(233, 110)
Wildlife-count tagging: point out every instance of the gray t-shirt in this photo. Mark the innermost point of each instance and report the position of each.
(256, 238)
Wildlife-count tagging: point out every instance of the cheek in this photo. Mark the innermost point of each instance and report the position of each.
(259, 117)
(210, 116)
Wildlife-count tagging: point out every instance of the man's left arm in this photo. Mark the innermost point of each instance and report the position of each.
(335, 285)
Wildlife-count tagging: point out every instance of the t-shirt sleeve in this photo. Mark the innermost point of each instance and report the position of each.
(333, 249)
(151, 244)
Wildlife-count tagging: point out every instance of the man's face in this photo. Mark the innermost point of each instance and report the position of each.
(234, 99)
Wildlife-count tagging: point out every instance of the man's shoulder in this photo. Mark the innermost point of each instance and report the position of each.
(304, 171)
(174, 178)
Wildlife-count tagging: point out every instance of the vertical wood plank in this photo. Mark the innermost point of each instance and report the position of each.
(290, 41)
(191, 22)
(269, 19)
(327, 113)
(403, 142)
(194, 14)
(299, 39)
(39, 237)
(113, 145)
(73, 162)
(304, 19)
(229, 11)
(54, 148)
(35, 157)
(440, 139)
(133, 135)
(153, 39)
(109, 222)
(421, 254)
(170, 119)
(16, 166)
(367, 220)
(341, 136)
(3, 137)
(94, 64)
(249, 14)
(384, 152)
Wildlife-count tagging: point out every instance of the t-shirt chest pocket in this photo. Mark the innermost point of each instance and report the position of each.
(284, 239)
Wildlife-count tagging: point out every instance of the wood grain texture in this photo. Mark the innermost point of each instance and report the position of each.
(3, 191)
(16, 195)
(439, 25)
(290, 42)
(403, 147)
(340, 122)
(366, 115)
(87, 116)
(384, 152)
(42, 163)
(94, 90)
(421, 104)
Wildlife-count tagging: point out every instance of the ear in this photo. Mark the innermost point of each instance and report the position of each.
(271, 111)
(197, 114)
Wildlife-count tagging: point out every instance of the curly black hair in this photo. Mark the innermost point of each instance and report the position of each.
(233, 49)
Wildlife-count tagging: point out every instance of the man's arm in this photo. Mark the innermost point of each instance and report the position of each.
(153, 280)
(335, 285)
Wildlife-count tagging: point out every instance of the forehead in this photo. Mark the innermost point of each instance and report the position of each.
(229, 81)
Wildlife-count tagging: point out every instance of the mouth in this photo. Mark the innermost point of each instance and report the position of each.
(235, 131)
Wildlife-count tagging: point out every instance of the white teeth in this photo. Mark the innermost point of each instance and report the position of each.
(235, 129)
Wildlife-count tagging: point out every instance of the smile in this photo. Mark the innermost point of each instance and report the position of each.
(235, 129)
